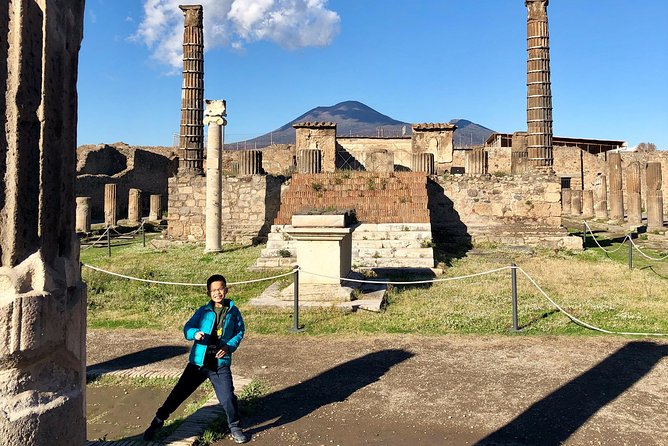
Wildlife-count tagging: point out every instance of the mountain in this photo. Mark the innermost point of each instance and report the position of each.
(354, 118)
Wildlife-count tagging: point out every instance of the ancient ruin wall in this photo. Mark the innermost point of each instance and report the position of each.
(42, 297)
(357, 148)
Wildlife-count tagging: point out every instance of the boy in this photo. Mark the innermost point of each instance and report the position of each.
(216, 329)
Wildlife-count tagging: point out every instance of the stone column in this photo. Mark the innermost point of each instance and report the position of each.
(587, 204)
(155, 210)
(134, 206)
(600, 197)
(309, 161)
(539, 94)
(566, 197)
(42, 297)
(634, 208)
(83, 214)
(192, 93)
(216, 111)
(616, 196)
(576, 202)
(110, 205)
(654, 196)
(423, 162)
(250, 162)
(476, 161)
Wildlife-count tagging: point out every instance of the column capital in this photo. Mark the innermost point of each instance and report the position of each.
(214, 112)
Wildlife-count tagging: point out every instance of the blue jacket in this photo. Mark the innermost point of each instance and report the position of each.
(203, 320)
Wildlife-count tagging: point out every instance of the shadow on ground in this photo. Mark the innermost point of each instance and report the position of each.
(137, 359)
(333, 385)
(552, 420)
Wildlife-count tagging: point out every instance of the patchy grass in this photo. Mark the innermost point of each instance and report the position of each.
(593, 286)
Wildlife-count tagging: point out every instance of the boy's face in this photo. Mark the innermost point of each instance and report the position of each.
(217, 292)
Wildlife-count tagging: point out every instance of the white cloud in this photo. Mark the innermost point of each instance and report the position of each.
(290, 24)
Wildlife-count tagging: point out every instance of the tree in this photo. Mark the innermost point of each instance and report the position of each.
(646, 147)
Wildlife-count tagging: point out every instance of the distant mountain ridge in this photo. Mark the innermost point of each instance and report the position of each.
(354, 118)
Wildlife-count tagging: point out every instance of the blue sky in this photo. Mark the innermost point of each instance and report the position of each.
(418, 61)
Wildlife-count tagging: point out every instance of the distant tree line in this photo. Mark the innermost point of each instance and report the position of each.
(646, 147)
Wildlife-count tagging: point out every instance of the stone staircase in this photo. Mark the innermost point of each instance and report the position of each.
(394, 229)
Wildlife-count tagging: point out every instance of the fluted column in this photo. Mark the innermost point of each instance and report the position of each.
(309, 161)
(110, 205)
(654, 196)
(616, 196)
(155, 210)
(192, 92)
(423, 162)
(83, 214)
(587, 204)
(600, 197)
(134, 206)
(634, 208)
(250, 162)
(576, 202)
(215, 120)
(566, 194)
(539, 94)
(476, 161)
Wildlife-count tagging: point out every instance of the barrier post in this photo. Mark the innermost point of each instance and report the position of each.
(630, 252)
(295, 319)
(143, 234)
(108, 242)
(513, 269)
(584, 235)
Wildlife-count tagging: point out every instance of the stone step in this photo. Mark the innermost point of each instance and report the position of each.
(392, 244)
(393, 263)
(393, 253)
(391, 235)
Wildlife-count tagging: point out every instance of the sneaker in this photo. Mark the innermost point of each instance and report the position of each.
(152, 429)
(239, 436)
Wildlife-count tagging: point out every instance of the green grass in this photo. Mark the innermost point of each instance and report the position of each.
(593, 286)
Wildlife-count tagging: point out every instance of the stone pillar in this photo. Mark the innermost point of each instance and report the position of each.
(600, 197)
(155, 210)
(566, 197)
(539, 94)
(423, 162)
(134, 206)
(587, 204)
(309, 161)
(654, 196)
(616, 196)
(110, 205)
(42, 297)
(216, 111)
(634, 208)
(191, 140)
(320, 136)
(476, 161)
(576, 202)
(83, 214)
(250, 162)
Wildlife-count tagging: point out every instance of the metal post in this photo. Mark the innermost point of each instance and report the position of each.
(108, 242)
(584, 235)
(514, 299)
(143, 233)
(630, 253)
(295, 325)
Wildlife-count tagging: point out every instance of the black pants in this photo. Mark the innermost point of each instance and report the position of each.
(191, 378)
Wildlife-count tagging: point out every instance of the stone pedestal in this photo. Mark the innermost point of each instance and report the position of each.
(134, 206)
(250, 162)
(215, 112)
(566, 196)
(155, 210)
(309, 161)
(654, 196)
(576, 202)
(423, 162)
(110, 205)
(83, 214)
(600, 197)
(587, 204)
(615, 197)
(634, 208)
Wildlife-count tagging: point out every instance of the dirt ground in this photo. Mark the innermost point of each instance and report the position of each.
(449, 390)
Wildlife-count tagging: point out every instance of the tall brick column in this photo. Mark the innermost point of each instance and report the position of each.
(191, 141)
(616, 197)
(539, 94)
(216, 110)
(42, 297)
(654, 196)
(634, 207)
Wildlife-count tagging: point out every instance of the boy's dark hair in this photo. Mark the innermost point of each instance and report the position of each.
(215, 278)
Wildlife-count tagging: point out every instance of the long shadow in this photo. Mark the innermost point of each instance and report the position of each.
(449, 233)
(136, 359)
(335, 384)
(552, 420)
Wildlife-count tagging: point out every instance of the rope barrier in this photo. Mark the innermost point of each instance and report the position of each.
(599, 245)
(413, 282)
(658, 259)
(96, 241)
(94, 268)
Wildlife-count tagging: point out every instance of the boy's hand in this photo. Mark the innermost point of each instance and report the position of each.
(199, 335)
(222, 352)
